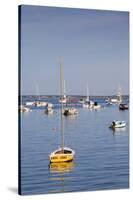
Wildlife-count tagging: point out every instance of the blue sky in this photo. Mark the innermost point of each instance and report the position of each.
(93, 46)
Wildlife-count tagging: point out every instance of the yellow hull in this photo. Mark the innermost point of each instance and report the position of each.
(58, 156)
(61, 158)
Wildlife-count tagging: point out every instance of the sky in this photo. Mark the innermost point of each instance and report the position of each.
(92, 45)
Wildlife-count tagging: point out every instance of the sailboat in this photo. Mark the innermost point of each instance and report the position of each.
(116, 100)
(63, 154)
(63, 99)
(87, 103)
(37, 103)
(49, 108)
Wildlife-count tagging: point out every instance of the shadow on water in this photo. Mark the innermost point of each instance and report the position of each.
(13, 190)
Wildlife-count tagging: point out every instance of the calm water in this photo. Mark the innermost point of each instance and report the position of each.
(101, 160)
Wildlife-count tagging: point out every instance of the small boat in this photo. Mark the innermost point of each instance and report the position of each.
(116, 100)
(69, 111)
(87, 103)
(40, 104)
(123, 106)
(63, 154)
(24, 109)
(96, 106)
(109, 101)
(63, 99)
(82, 100)
(49, 108)
(37, 103)
(117, 124)
(29, 103)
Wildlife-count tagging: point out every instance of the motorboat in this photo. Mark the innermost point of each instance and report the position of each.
(24, 109)
(123, 106)
(111, 101)
(69, 111)
(117, 124)
(96, 106)
(40, 103)
(29, 103)
(82, 100)
(37, 103)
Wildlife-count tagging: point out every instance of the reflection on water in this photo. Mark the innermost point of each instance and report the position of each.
(59, 175)
(61, 167)
(71, 117)
(118, 130)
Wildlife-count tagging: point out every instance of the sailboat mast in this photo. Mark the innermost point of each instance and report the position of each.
(62, 124)
(37, 92)
(87, 92)
(64, 89)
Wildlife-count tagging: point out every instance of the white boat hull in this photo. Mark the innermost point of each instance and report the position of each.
(118, 124)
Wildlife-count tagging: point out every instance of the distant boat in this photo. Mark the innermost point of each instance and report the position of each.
(96, 106)
(24, 109)
(117, 124)
(69, 111)
(123, 106)
(36, 103)
(82, 100)
(29, 103)
(87, 103)
(116, 100)
(49, 108)
(63, 154)
(39, 103)
(63, 99)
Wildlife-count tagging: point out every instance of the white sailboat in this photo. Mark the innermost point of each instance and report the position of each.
(87, 103)
(63, 99)
(63, 154)
(39, 103)
(49, 108)
(116, 100)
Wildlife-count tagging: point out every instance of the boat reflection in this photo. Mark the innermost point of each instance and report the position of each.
(58, 175)
(61, 167)
(71, 117)
(118, 130)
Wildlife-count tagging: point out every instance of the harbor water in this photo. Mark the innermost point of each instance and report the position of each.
(101, 154)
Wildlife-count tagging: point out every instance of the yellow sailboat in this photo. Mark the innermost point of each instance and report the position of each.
(63, 154)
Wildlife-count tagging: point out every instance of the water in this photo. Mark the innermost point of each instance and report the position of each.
(102, 156)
